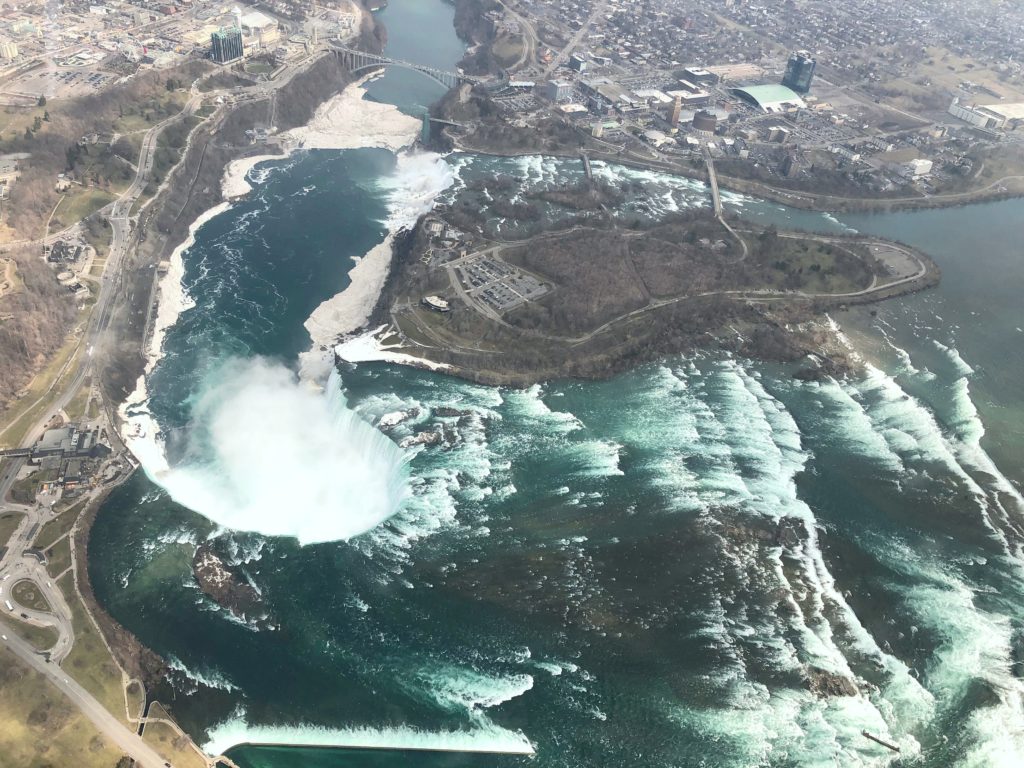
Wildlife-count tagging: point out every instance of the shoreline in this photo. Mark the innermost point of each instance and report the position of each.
(796, 199)
(364, 123)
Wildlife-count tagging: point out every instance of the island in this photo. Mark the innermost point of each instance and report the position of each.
(579, 290)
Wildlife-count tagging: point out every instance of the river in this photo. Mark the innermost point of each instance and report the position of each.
(651, 570)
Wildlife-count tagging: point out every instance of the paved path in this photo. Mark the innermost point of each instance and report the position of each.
(124, 738)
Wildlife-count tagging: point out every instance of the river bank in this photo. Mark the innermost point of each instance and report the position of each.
(531, 580)
(792, 198)
(303, 103)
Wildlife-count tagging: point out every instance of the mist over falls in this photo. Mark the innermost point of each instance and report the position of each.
(268, 453)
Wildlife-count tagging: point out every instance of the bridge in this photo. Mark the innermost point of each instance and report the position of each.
(356, 61)
(716, 197)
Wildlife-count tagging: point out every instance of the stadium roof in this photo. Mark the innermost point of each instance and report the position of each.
(1007, 111)
(770, 98)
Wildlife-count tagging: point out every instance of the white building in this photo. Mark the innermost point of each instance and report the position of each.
(919, 167)
(980, 117)
(259, 30)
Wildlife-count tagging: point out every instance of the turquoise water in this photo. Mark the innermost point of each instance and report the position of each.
(639, 571)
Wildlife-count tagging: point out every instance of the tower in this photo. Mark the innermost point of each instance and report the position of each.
(677, 107)
(799, 71)
(226, 45)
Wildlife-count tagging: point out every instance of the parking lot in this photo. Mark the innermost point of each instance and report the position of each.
(498, 284)
(58, 83)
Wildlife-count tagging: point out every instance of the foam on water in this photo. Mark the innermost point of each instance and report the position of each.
(210, 678)
(484, 736)
(419, 178)
(467, 689)
(976, 644)
(270, 455)
(745, 451)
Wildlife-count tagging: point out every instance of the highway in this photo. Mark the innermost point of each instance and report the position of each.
(125, 739)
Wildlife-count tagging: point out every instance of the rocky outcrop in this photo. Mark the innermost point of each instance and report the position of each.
(822, 683)
(229, 589)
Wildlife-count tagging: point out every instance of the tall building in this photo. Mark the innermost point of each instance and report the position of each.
(227, 45)
(677, 108)
(8, 49)
(557, 90)
(799, 72)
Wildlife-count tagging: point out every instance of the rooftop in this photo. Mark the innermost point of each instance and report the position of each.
(770, 98)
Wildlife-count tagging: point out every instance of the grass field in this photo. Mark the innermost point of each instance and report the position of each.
(25, 489)
(53, 732)
(39, 394)
(90, 661)
(507, 49)
(26, 594)
(58, 558)
(78, 205)
(10, 279)
(165, 740)
(59, 526)
(81, 405)
(9, 521)
(40, 638)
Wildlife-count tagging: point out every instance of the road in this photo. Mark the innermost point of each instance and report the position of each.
(125, 739)
(15, 566)
(599, 7)
(716, 201)
(528, 55)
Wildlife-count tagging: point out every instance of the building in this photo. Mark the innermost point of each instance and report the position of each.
(705, 121)
(1012, 114)
(259, 30)
(677, 108)
(690, 99)
(770, 98)
(918, 167)
(8, 50)
(993, 117)
(799, 72)
(701, 76)
(557, 90)
(226, 45)
(436, 303)
(577, 63)
(64, 252)
(979, 117)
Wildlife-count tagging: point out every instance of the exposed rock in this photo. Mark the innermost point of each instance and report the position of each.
(423, 438)
(228, 589)
(393, 419)
(446, 412)
(823, 683)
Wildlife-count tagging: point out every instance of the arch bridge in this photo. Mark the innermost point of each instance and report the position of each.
(355, 61)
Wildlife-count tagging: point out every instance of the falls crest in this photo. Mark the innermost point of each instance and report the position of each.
(270, 454)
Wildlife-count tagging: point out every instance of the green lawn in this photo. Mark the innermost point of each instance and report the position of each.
(40, 638)
(79, 204)
(39, 727)
(89, 661)
(57, 527)
(26, 594)
(165, 740)
(58, 558)
(9, 521)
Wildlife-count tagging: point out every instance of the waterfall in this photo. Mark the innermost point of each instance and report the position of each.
(268, 453)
